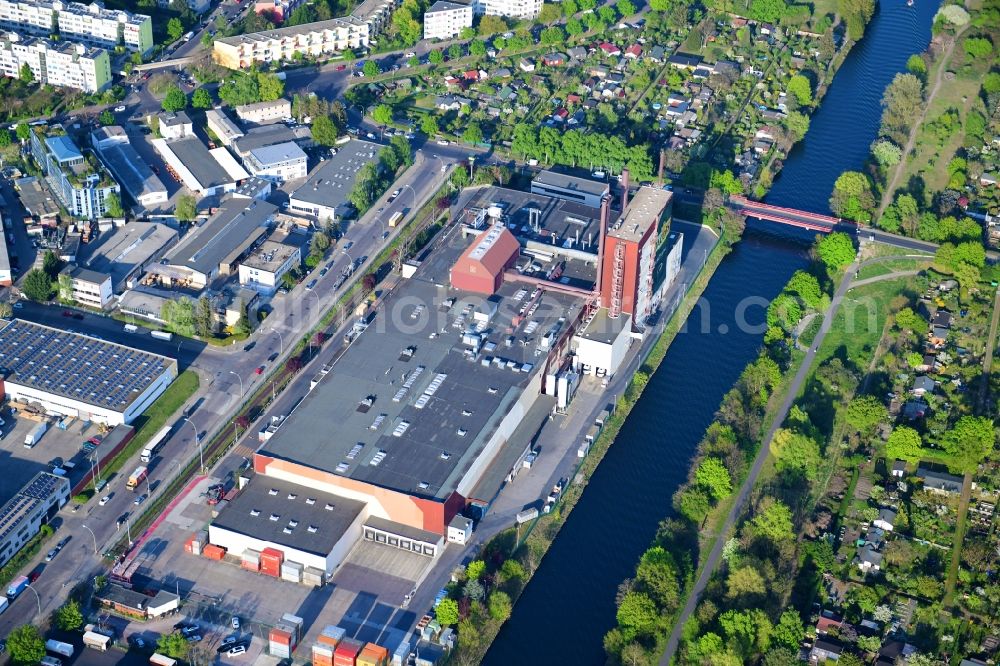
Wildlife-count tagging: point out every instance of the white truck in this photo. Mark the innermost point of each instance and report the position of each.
(35, 435)
(131, 328)
(162, 335)
(154, 444)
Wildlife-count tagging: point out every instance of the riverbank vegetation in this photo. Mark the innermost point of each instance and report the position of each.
(722, 462)
(934, 168)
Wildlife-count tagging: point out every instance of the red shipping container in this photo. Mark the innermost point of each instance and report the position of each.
(188, 544)
(270, 562)
(373, 655)
(280, 636)
(213, 552)
(347, 652)
(251, 565)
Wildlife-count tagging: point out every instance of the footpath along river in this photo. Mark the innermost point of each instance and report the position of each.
(568, 606)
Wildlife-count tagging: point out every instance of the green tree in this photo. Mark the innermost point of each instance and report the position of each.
(26, 645)
(203, 318)
(499, 605)
(68, 617)
(473, 134)
(745, 582)
(856, 14)
(6, 310)
(429, 125)
(175, 29)
(436, 57)
(175, 100)
(552, 35)
(22, 131)
(324, 131)
(865, 413)
(475, 569)
(969, 442)
(806, 287)
(917, 66)
(637, 615)
(270, 87)
(656, 574)
(852, 197)
(512, 570)
(789, 631)
(37, 285)
(800, 88)
(693, 503)
(25, 75)
(901, 104)
(773, 520)
(769, 11)
(106, 118)
(864, 598)
(455, 51)
(186, 209)
(991, 83)
(797, 124)
(382, 115)
(977, 48)
(477, 47)
(51, 264)
(573, 26)
(835, 250)
(371, 69)
(174, 646)
(886, 153)
(626, 8)
(113, 205)
(797, 451)
(242, 326)
(905, 444)
(491, 25)
(240, 89)
(550, 13)
(446, 612)
(908, 320)
(714, 477)
(201, 99)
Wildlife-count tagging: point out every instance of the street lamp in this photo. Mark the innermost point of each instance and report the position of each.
(197, 439)
(239, 378)
(37, 598)
(93, 535)
(281, 341)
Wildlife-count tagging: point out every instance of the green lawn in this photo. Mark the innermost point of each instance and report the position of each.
(154, 418)
(892, 265)
(858, 324)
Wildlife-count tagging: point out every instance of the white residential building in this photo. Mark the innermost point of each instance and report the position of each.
(86, 287)
(263, 269)
(56, 63)
(445, 20)
(75, 21)
(309, 39)
(519, 9)
(263, 113)
(279, 163)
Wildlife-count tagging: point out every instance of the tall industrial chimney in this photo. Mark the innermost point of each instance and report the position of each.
(600, 244)
(624, 190)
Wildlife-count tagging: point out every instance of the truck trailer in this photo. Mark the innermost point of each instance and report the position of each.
(154, 444)
(60, 648)
(16, 587)
(35, 435)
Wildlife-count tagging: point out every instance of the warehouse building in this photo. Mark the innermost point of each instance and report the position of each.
(324, 195)
(219, 124)
(277, 163)
(129, 169)
(201, 170)
(269, 135)
(37, 198)
(23, 515)
(74, 375)
(481, 267)
(217, 246)
(126, 252)
(434, 410)
(266, 265)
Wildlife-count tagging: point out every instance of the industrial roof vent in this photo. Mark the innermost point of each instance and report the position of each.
(275, 517)
(293, 523)
(292, 496)
(310, 500)
(272, 491)
(312, 529)
(254, 512)
(329, 507)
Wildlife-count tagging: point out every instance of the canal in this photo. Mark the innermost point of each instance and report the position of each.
(568, 606)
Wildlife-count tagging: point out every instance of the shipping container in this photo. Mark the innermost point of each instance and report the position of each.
(279, 650)
(401, 655)
(332, 635)
(251, 560)
(313, 576)
(347, 652)
(292, 572)
(293, 622)
(214, 552)
(322, 655)
(270, 561)
(373, 655)
(280, 635)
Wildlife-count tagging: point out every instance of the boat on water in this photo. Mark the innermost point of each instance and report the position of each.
(909, 3)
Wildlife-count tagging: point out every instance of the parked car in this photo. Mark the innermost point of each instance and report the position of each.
(120, 109)
(105, 499)
(236, 623)
(140, 499)
(51, 554)
(259, 370)
(312, 283)
(239, 649)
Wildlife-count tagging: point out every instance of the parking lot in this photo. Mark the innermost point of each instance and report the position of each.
(20, 464)
(364, 596)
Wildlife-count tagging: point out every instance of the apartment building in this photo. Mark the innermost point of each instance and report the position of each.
(519, 9)
(56, 63)
(445, 20)
(80, 182)
(278, 163)
(309, 39)
(263, 113)
(197, 6)
(85, 286)
(76, 22)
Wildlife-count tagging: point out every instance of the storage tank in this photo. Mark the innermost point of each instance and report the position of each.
(346, 653)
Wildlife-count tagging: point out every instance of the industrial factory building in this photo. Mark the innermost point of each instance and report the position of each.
(428, 418)
(70, 374)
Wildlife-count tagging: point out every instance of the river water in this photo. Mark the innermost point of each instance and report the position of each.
(568, 606)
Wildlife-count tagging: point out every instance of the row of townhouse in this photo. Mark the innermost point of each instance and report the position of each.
(74, 21)
(309, 39)
(56, 63)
